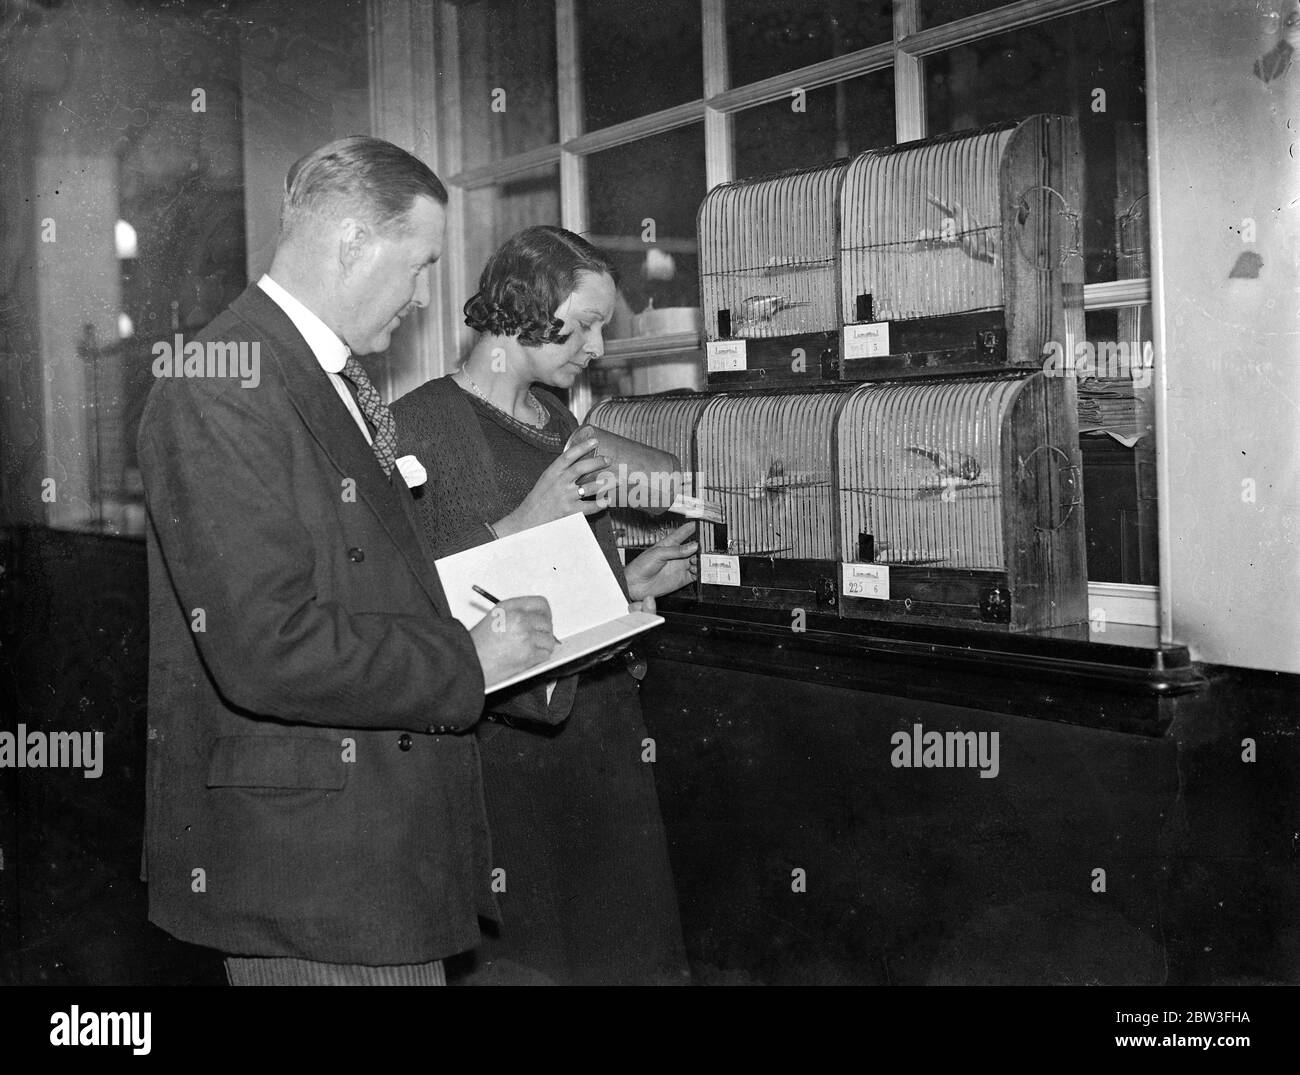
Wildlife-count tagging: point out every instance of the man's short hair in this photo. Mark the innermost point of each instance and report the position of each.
(359, 176)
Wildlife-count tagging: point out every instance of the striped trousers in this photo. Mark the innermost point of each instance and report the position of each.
(241, 970)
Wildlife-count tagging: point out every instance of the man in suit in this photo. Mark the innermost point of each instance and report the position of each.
(313, 802)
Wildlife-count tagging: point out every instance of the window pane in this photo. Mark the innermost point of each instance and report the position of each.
(1088, 66)
(838, 121)
(1116, 423)
(638, 57)
(507, 77)
(643, 200)
(936, 12)
(493, 214)
(767, 37)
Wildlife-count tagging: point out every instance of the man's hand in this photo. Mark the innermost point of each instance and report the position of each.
(666, 566)
(516, 634)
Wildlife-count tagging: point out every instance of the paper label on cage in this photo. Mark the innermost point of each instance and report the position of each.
(869, 340)
(622, 556)
(725, 356)
(867, 581)
(717, 569)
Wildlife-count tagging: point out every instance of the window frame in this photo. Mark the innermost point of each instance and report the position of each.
(721, 101)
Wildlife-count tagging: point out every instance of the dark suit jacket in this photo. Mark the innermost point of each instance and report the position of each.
(310, 793)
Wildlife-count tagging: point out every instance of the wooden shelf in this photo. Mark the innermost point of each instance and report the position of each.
(1103, 682)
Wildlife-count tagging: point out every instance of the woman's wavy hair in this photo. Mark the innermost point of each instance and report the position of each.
(525, 281)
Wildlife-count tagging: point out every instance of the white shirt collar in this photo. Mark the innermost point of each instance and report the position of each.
(330, 351)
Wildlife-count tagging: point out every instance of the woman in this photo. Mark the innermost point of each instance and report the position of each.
(572, 806)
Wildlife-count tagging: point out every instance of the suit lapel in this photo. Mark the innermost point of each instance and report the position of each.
(332, 427)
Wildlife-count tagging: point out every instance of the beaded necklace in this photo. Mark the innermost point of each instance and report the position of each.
(538, 409)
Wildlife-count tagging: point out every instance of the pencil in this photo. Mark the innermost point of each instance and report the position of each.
(483, 593)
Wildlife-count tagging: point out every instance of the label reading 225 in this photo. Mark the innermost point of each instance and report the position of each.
(869, 581)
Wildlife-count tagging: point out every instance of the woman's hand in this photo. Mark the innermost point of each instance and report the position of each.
(664, 567)
(558, 492)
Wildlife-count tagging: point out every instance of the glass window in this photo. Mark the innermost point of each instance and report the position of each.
(638, 57)
(495, 213)
(507, 78)
(644, 197)
(1116, 426)
(937, 12)
(1089, 66)
(836, 121)
(770, 37)
(492, 215)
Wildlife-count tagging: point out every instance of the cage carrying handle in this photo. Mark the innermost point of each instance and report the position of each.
(1071, 249)
(1069, 475)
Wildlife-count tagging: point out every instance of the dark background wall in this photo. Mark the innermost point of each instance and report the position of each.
(939, 876)
(74, 657)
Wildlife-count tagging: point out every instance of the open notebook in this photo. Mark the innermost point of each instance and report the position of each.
(560, 560)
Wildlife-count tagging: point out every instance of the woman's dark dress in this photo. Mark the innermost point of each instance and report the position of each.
(573, 810)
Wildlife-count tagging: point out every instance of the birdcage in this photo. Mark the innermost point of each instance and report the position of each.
(963, 250)
(769, 277)
(960, 500)
(666, 422)
(766, 457)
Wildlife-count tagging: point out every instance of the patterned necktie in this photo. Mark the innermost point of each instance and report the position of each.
(377, 414)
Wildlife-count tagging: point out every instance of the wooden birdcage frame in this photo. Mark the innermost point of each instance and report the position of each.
(963, 250)
(960, 501)
(769, 278)
(767, 456)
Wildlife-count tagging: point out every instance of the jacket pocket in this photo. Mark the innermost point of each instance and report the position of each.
(276, 761)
